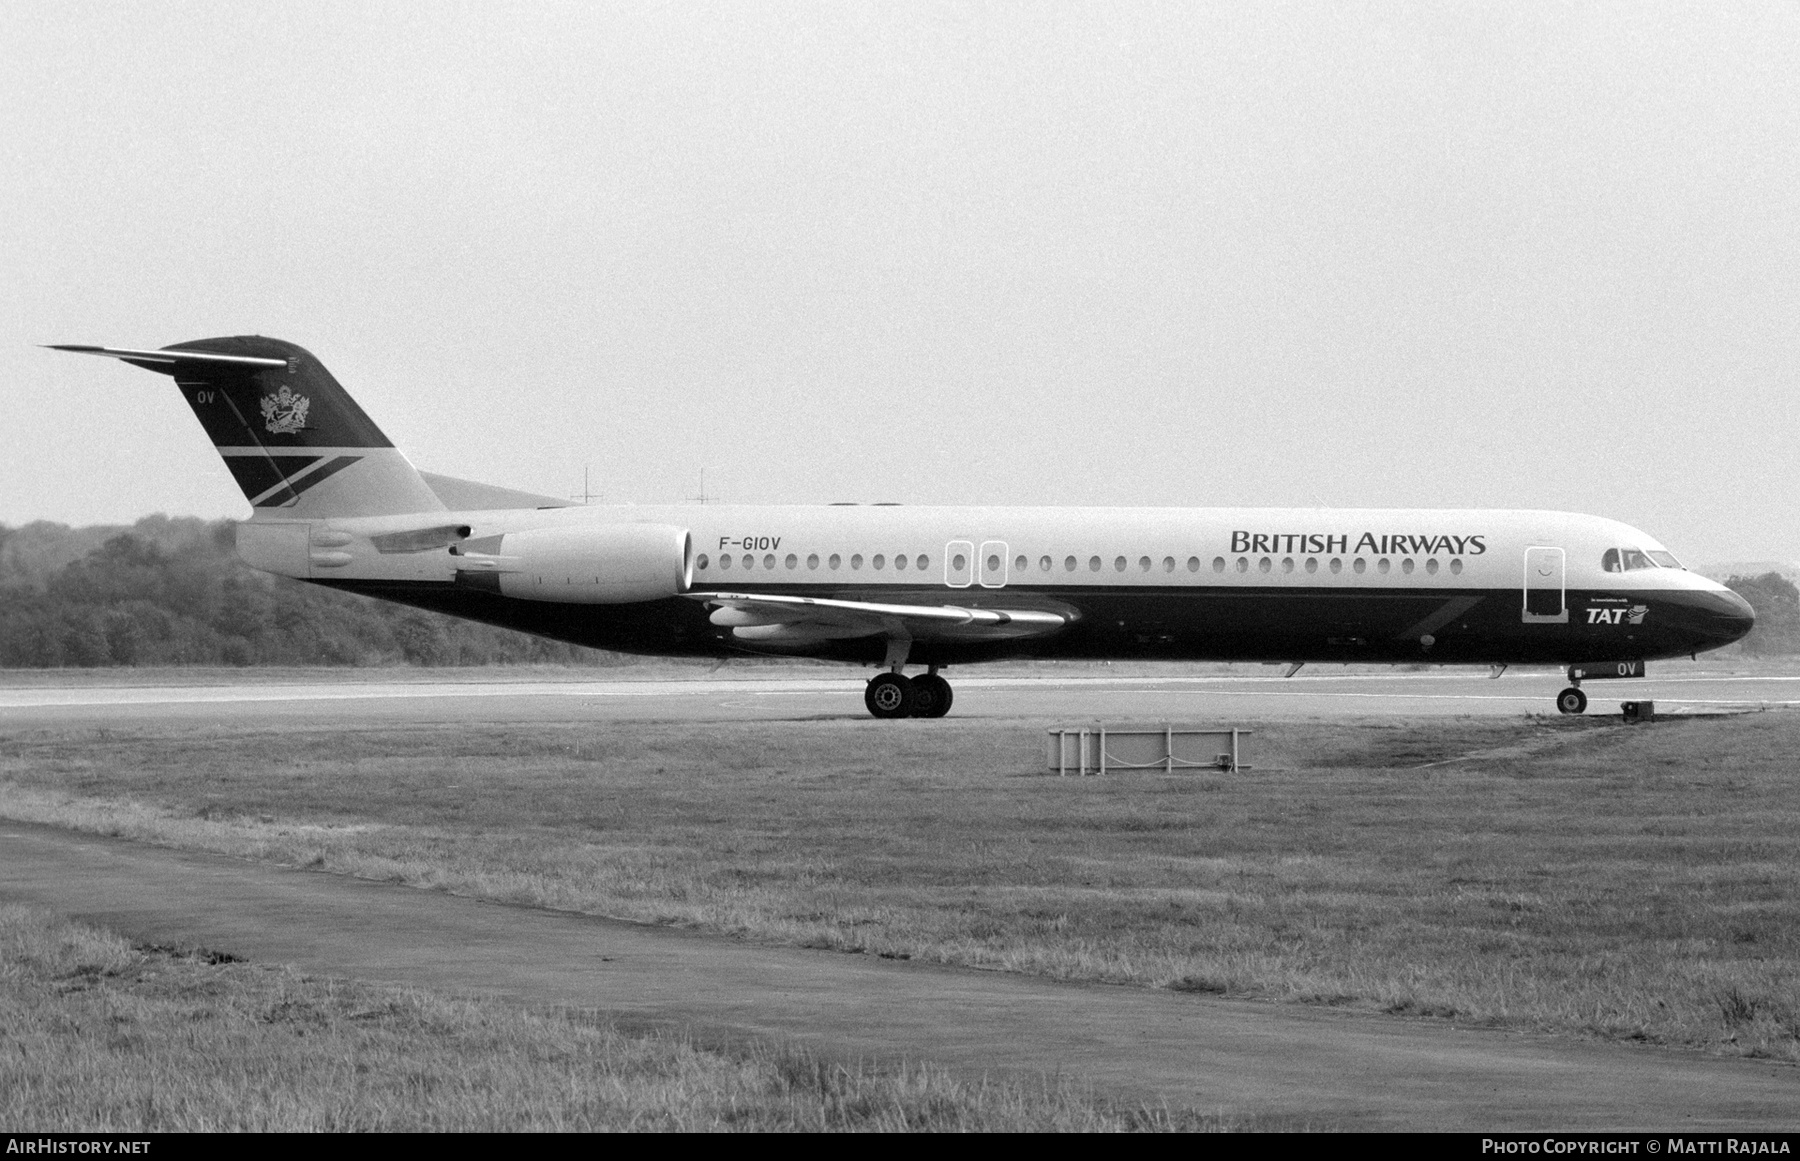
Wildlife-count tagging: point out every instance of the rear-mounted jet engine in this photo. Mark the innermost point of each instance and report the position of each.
(613, 564)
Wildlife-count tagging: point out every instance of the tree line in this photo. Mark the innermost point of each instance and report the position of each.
(1777, 603)
(172, 591)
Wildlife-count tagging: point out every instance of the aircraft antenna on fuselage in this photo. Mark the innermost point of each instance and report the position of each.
(588, 495)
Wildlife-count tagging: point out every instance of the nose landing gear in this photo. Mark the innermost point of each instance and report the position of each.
(1571, 701)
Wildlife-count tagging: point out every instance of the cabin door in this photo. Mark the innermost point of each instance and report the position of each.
(1544, 587)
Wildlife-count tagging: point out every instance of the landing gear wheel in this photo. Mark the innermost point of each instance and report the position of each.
(1571, 701)
(931, 696)
(890, 695)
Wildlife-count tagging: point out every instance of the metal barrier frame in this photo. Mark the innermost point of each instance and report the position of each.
(1228, 762)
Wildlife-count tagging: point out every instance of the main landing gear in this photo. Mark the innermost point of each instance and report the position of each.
(895, 695)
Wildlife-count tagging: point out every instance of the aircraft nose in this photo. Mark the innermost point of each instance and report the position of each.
(1727, 616)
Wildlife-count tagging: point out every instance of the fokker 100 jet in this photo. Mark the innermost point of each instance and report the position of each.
(336, 504)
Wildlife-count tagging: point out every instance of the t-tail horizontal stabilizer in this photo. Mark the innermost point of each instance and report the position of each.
(160, 359)
(296, 443)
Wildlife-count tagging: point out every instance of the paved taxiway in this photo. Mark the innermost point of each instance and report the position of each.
(1072, 699)
(1320, 1068)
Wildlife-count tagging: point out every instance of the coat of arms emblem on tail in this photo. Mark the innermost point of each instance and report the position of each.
(285, 411)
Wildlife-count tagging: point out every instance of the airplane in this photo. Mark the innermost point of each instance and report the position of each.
(334, 503)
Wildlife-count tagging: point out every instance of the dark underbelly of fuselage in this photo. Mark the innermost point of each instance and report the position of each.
(1190, 624)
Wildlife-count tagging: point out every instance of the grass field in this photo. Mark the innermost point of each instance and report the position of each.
(101, 1036)
(1573, 876)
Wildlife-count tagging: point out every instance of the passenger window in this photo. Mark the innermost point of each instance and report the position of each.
(958, 562)
(1406, 566)
(1431, 566)
(1069, 564)
(769, 560)
(749, 561)
(792, 560)
(1022, 564)
(923, 563)
(1168, 564)
(1118, 564)
(1312, 564)
(1287, 564)
(725, 561)
(879, 560)
(1610, 561)
(812, 561)
(1383, 565)
(701, 562)
(900, 563)
(1337, 564)
(1218, 564)
(1361, 566)
(1243, 564)
(1456, 566)
(1043, 564)
(1093, 564)
(1265, 564)
(835, 561)
(856, 560)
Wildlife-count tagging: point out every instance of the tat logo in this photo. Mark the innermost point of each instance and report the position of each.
(1619, 616)
(284, 412)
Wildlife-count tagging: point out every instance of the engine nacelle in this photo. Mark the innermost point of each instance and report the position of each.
(612, 564)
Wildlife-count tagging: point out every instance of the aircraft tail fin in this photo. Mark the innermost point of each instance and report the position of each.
(294, 440)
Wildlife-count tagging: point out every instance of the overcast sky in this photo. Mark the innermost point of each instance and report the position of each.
(1493, 255)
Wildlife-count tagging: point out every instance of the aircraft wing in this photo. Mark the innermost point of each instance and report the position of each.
(774, 619)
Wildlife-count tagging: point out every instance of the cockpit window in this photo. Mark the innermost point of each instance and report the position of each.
(1631, 559)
